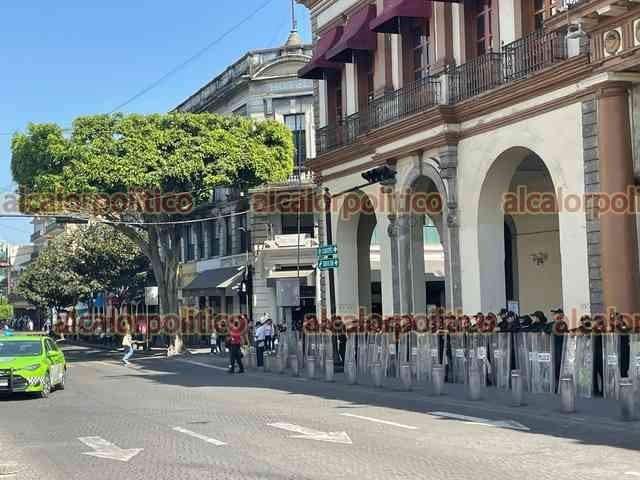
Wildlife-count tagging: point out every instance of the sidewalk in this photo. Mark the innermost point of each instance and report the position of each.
(591, 411)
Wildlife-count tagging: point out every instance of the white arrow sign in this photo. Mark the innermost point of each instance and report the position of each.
(512, 424)
(310, 434)
(103, 449)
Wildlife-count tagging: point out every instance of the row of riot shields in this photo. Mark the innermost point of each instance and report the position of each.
(596, 362)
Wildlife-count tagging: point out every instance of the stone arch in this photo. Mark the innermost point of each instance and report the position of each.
(425, 175)
(539, 263)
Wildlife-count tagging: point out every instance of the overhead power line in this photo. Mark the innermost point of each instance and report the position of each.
(193, 57)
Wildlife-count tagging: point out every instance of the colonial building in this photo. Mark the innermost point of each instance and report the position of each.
(235, 263)
(494, 105)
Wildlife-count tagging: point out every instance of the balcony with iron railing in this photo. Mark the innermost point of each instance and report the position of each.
(515, 61)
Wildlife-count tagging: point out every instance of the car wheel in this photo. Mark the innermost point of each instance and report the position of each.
(46, 386)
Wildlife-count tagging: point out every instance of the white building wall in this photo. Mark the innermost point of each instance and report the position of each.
(563, 158)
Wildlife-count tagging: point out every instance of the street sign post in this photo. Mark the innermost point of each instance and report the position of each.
(327, 263)
(328, 257)
(326, 250)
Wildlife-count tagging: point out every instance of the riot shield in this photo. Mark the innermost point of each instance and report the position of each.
(423, 358)
(477, 347)
(634, 362)
(501, 359)
(540, 354)
(390, 365)
(362, 356)
(611, 365)
(458, 358)
(523, 362)
(577, 362)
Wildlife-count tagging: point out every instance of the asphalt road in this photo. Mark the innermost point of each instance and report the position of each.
(195, 422)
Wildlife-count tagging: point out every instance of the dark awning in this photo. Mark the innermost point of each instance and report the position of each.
(357, 36)
(314, 70)
(394, 10)
(208, 282)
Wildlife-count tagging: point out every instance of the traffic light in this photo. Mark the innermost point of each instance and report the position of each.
(379, 174)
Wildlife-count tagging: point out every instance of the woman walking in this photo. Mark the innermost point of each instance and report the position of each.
(127, 343)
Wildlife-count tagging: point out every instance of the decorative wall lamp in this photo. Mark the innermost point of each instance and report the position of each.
(539, 258)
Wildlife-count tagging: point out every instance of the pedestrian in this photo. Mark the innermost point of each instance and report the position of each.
(30, 325)
(260, 344)
(236, 334)
(127, 343)
(213, 342)
(268, 335)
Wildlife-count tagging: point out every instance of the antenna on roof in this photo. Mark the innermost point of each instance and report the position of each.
(294, 23)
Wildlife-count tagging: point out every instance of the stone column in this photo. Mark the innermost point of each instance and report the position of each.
(392, 232)
(404, 263)
(619, 247)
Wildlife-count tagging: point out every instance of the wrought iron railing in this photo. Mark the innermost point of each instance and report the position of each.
(475, 77)
(516, 60)
(532, 53)
(406, 101)
(343, 133)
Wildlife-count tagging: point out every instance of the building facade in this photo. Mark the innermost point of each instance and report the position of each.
(235, 263)
(495, 107)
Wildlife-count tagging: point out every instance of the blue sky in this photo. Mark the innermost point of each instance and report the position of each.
(63, 59)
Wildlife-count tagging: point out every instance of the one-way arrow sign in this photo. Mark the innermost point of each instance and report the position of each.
(310, 434)
(512, 424)
(103, 449)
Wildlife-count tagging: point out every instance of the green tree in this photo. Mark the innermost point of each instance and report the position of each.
(168, 154)
(50, 281)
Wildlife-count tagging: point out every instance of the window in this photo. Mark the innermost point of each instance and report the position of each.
(243, 234)
(241, 111)
(215, 303)
(200, 239)
(296, 123)
(188, 243)
(290, 224)
(339, 98)
(483, 32)
(538, 13)
(228, 305)
(178, 244)
(214, 239)
(228, 236)
(419, 35)
(365, 68)
(430, 232)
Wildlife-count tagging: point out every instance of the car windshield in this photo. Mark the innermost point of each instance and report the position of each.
(20, 348)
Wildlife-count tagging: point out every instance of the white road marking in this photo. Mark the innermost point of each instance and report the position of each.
(377, 420)
(104, 449)
(512, 424)
(310, 434)
(635, 474)
(199, 436)
(202, 364)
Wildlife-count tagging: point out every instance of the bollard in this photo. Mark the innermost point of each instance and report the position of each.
(627, 399)
(475, 385)
(295, 367)
(437, 378)
(517, 393)
(405, 376)
(567, 395)
(376, 371)
(9, 471)
(311, 367)
(328, 370)
(278, 364)
(350, 372)
(253, 360)
(266, 364)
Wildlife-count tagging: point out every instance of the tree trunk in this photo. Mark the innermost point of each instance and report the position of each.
(159, 249)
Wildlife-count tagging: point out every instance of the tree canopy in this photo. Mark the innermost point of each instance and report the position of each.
(164, 154)
(78, 264)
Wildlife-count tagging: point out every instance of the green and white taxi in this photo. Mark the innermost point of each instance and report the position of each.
(30, 363)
